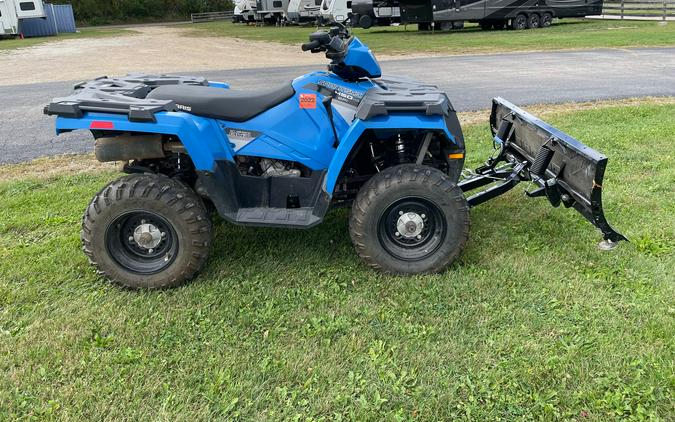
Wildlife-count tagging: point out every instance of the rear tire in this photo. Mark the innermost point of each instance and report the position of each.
(533, 21)
(519, 22)
(146, 231)
(409, 219)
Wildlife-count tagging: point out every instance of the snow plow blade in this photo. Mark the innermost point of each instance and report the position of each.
(560, 167)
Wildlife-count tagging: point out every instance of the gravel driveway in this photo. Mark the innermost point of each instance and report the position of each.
(154, 49)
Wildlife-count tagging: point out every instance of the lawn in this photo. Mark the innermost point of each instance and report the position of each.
(9, 44)
(534, 322)
(565, 34)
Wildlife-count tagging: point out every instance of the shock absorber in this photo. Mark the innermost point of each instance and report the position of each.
(400, 150)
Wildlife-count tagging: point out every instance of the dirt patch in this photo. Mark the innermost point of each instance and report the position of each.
(158, 49)
(46, 168)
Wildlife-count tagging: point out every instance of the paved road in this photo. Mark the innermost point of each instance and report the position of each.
(470, 81)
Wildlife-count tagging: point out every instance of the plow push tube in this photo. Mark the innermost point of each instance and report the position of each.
(564, 170)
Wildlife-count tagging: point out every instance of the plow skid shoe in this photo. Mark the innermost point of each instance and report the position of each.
(563, 169)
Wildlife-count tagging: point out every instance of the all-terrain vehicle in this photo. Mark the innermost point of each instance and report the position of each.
(391, 148)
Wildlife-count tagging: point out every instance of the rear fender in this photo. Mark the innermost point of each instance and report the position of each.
(202, 138)
(403, 121)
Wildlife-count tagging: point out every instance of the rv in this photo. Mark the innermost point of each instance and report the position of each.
(244, 11)
(336, 10)
(367, 13)
(271, 11)
(493, 14)
(303, 11)
(12, 11)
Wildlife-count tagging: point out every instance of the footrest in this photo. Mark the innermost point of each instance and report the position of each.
(277, 217)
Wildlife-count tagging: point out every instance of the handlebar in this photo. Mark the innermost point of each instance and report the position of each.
(312, 45)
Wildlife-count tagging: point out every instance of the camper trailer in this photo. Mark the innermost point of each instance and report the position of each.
(271, 11)
(367, 13)
(336, 10)
(244, 11)
(12, 11)
(300, 11)
(493, 14)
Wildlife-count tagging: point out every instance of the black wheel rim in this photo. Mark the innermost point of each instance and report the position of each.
(148, 257)
(416, 241)
(521, 22)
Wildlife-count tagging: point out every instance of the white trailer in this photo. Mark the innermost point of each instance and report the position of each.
(12, 11)
(336, 10)
(244, 11)
(271, 11)
(303, 10)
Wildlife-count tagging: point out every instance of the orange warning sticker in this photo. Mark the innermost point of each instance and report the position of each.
(307, 100)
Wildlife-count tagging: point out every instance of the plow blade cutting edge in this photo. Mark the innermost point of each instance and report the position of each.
(563, 169)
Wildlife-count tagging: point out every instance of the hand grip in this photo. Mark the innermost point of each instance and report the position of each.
(311, 45)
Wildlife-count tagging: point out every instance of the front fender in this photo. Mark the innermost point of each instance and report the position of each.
(395, 121)
(203, 138)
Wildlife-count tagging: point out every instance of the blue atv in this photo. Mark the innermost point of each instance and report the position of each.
(389, 147)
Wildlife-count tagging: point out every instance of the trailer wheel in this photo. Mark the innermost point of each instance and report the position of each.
(519, 22)
(485, 25)
(444, 26)
(146, 231)
(365, 22)
(409, 219)
(533, 21)
(546, 20)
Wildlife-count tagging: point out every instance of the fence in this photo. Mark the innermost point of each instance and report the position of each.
(627, 9)
(211, 16)
(58, 19)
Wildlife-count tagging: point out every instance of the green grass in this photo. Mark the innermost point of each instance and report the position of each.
(9, 44)
(566, 34)
(534, 322)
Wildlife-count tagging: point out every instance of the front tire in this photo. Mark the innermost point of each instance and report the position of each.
(146, 231)
(409, 219)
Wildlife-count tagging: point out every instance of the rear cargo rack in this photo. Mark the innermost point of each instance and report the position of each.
(125, 95)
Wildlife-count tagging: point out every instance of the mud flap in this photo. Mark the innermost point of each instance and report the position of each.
(561, 168)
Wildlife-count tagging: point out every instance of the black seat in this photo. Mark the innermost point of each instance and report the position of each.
(225, 104)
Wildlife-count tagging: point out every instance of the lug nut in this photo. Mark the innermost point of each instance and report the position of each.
(419, 237)
(150, 250)
(400, 213)
(131, 238)
(423, 216)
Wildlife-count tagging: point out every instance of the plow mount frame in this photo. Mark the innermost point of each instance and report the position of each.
(564, 170)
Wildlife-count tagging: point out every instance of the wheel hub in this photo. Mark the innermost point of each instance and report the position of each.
(410, 225)
(147, 236)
